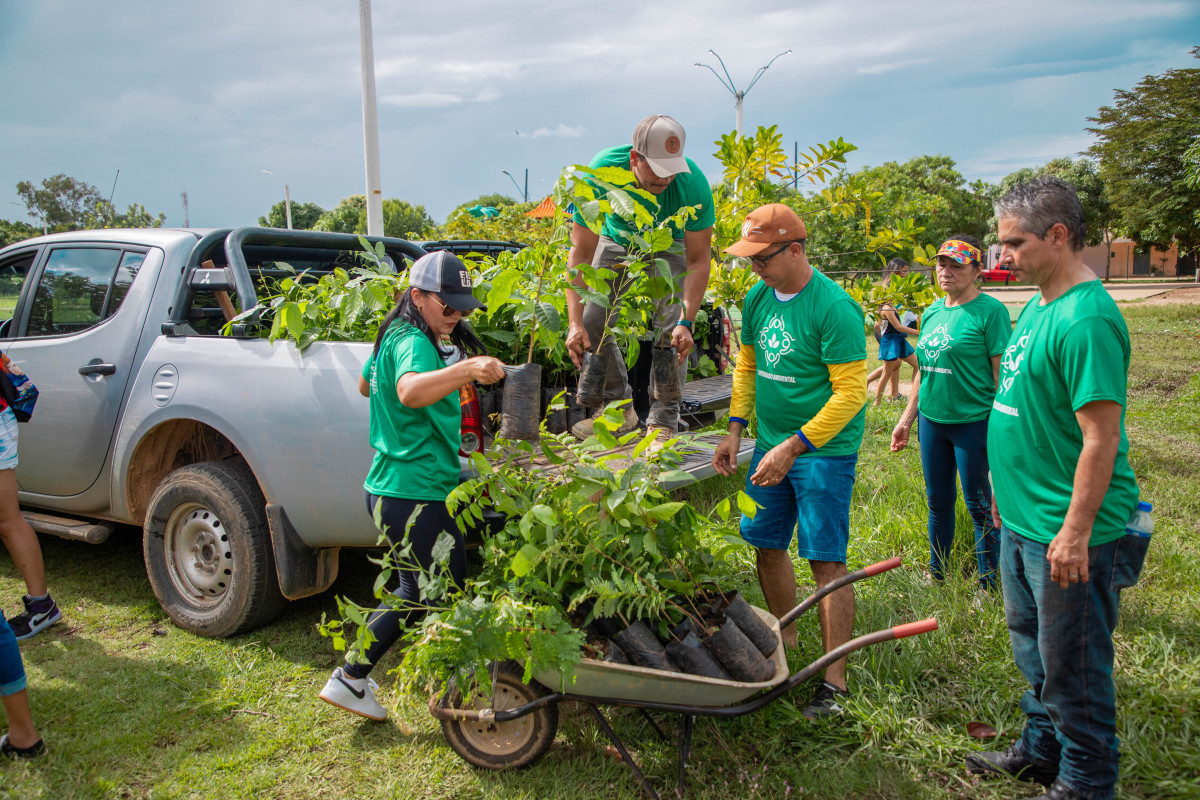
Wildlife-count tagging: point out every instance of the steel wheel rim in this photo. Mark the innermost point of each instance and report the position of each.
(500, 738)
(199, 560)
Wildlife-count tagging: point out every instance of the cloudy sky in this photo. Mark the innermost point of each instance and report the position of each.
(203, 97)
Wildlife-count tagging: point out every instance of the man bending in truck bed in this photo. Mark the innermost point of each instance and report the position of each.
(656, 159)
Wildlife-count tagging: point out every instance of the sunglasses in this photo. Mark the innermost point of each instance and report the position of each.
(761, 261)
(447, 311)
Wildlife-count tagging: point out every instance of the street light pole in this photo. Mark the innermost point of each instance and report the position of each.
(370, 123)
(525, 194)
(287, 201)
(727, 82)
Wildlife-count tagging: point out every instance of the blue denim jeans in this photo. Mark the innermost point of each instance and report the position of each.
(946, 449)
(12, 671)
(1062, 643)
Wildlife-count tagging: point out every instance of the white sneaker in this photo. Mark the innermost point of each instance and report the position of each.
(356, 695)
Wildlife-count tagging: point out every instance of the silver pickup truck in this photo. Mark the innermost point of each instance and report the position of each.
(241, 460)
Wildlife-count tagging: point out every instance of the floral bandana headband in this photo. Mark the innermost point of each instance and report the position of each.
(961, 252)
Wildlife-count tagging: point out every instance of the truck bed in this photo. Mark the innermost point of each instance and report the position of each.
(697, 452)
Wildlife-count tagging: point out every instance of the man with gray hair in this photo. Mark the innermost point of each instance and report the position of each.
(1064, 498)
(656, 159)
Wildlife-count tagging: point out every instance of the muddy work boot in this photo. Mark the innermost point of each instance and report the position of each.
(585, 428)
(1013, 764)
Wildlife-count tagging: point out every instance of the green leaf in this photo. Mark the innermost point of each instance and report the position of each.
(545, 515)
(502, 289)
(604, 435)
(593, 297)
(746, 504)
(548, 317)
(665, 511)
(622, 203)
(442, 548)
(590, 211)
(523, 561)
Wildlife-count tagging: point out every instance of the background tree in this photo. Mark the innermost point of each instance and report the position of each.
(304, 216)
(1093, 194)
(1140, 143)
(511, 225)
(495, 200)
(105, 215)
(344, 217)
(16, 231)
(62, 203)
(926, 192)
(402, 220)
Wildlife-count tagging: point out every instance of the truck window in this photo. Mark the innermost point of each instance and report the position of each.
(79, 287)
(12, 277)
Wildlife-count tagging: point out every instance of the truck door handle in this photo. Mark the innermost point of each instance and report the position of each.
(98, 369)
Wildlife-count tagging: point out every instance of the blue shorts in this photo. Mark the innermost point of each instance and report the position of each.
(893, 346)
(8, 439)
(815, 494)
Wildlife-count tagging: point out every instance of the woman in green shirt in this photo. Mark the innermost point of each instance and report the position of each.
(415, 430)
(963, 336)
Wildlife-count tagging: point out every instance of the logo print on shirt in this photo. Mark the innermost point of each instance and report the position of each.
(934, 342)
(1014, 356)
(775, 341)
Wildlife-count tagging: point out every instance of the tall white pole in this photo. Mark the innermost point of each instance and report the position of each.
(287, 205)
(740, 96)
(370, 124)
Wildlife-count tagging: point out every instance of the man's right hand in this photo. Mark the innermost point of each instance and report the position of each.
(900, 437)
(724, 460)
(577, 344)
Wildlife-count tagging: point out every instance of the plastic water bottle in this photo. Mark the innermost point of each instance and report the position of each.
(1141, 523)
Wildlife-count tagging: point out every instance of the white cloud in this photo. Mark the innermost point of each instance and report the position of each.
(879, 69)
(422, 100)
(562, 131)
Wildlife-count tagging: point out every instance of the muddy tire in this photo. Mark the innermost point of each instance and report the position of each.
(208, 550)
(502, 745)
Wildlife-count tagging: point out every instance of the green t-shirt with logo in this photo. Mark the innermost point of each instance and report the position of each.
(688, 189)
(416, 449)
(794, 341)
(1061, 356)
(955, 355)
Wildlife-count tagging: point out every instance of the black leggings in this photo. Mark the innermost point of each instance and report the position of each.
(395, 513)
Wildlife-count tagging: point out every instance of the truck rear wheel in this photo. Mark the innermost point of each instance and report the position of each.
(208, 550)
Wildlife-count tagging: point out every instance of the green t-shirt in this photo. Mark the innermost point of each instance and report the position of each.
(688, 189)
(1061, 356)
(955, 355)
(793, 342)
(416, 449)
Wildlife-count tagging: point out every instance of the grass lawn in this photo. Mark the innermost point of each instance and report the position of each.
(132, 707)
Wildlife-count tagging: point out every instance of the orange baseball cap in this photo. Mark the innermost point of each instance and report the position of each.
(767, 225)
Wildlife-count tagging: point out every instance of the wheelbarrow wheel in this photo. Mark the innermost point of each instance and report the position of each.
(502, 745)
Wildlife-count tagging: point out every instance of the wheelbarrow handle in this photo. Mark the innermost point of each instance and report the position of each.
(834, 585)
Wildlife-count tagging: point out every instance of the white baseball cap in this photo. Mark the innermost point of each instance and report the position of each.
(659, 139)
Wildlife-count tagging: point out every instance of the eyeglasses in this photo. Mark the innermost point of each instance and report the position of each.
(761, 261)
(447, 311)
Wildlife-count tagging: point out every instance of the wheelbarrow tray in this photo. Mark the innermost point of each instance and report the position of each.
(605, 680)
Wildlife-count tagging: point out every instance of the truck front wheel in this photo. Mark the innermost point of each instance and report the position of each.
(208, 550)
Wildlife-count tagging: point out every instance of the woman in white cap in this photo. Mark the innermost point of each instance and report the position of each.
(415, 430)
(963, 336)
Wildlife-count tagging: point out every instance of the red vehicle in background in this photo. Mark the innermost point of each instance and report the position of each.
(997, 275)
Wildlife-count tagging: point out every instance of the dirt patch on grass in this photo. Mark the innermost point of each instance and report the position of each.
(1175, 297)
